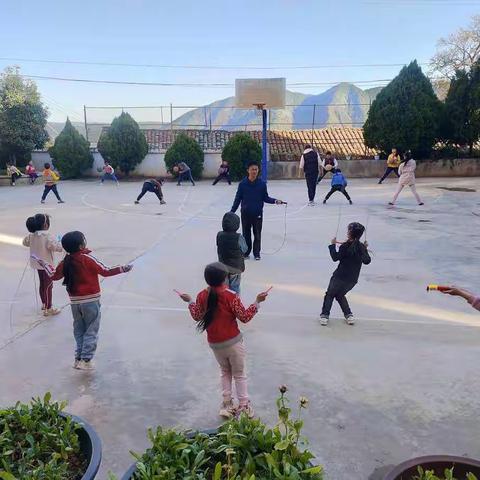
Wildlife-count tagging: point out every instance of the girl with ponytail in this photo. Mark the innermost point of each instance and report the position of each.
(216, 311)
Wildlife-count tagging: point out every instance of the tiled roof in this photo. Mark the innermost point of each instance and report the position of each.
(283, 144)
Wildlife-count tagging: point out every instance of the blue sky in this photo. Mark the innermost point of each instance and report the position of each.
(213, 32)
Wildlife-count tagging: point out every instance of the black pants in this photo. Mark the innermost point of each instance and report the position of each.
(324, 172)
(185, 176)
(148, 187)
(249, 223)
(14, 177)
(388, 171)
(311, 179)
(338, 188)
(47, 190)
(226, 176)
(337, 289)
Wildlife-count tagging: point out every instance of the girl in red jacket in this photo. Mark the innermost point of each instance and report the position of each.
(80, 271)
(216, 310)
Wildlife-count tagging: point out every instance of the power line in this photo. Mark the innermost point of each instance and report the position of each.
(196, 85)
(205, 67)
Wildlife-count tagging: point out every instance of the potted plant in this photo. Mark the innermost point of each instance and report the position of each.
(241, 449)
(436, 467)
(39, 441)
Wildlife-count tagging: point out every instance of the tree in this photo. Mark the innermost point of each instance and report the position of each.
(123, 144)
(71, 152)
(239, 151)
(405, 114)
(458, 51)
(461, 120)
(23, 117)
(185, 149)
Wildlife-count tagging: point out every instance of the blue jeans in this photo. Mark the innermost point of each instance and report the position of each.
(86, 323)
(109, 176)
(234, 282)
(185, 176)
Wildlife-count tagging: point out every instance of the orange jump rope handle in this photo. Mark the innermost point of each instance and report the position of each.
(440, 288)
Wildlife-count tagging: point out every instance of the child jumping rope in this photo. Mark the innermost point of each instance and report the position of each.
(231, 249)
(80, 272)
(43, 246)
(339, 184)
(217, 310)
(351, 254)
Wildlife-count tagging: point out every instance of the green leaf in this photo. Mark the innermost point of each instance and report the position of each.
(218, 471)
(313, 470)
(283, 445)
(7, 476)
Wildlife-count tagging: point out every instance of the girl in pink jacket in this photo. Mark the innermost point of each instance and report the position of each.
(407, 178)
(42, 246)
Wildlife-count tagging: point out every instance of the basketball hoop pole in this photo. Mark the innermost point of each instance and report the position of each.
(261, 106)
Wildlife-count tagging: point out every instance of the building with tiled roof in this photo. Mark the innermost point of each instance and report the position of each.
(284, 145)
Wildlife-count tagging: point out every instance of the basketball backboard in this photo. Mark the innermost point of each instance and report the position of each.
(260, 92)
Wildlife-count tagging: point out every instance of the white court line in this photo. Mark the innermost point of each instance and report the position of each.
(293, 315)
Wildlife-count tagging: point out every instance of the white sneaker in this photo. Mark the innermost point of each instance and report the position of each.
(349, 319)
(311, 204)
(246, 409)
(49, 312)
(84, 365)
(227, 410)
(324, 320)
(75, 364)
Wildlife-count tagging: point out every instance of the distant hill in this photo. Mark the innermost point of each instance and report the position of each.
(342, 105)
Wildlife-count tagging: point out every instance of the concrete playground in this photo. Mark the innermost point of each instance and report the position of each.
(402, 382)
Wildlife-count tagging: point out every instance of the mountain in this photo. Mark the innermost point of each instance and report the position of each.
(342, 105)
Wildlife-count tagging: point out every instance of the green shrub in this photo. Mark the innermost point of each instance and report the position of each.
(185, 149)
(242, 449)
(449, 475)
(123, 145)
(406, 114)
(239, 151)
(37, 443)
(71, 152)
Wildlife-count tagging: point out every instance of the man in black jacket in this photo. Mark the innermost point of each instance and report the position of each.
(309, 164)
(252, 194)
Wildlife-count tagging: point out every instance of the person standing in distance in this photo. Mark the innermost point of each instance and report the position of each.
(393, 162)
(251, 194)
(309, 164)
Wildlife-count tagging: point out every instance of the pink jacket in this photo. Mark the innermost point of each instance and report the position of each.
(407, 173)
(42, 245)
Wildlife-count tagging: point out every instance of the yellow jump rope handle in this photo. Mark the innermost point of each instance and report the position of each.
(440, 288)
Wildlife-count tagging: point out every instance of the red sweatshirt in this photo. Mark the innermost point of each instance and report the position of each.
(224, 328)
(87, 270)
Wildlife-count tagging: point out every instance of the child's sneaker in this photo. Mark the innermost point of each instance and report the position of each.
(136, 202)
(42, 201)
(49, 312)
(349, 319)
(85, 365)
(351, 203)
(162, 202)
(324, 320)
(246, 409)
(61, 201)
(324, 202)
(227, 410)
(76, 363)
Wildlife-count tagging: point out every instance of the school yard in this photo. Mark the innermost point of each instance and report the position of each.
(402, 382)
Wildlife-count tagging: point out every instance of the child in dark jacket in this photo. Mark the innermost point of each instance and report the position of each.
(216, 311)
(231, 249)
(351, 254)
(339, 183)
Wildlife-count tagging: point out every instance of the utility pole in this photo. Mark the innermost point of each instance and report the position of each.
(85, 122)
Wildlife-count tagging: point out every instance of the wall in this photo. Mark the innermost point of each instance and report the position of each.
(154, 166)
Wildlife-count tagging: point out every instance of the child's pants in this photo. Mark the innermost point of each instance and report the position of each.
(338, 188)
(109, 176)
(185, 176)
(45, 288)
(337, 289)
(148, 187)
(234, 282)
(86, 323)
(414, 191)
(47, 189)
(226, 176)
(232, 366)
